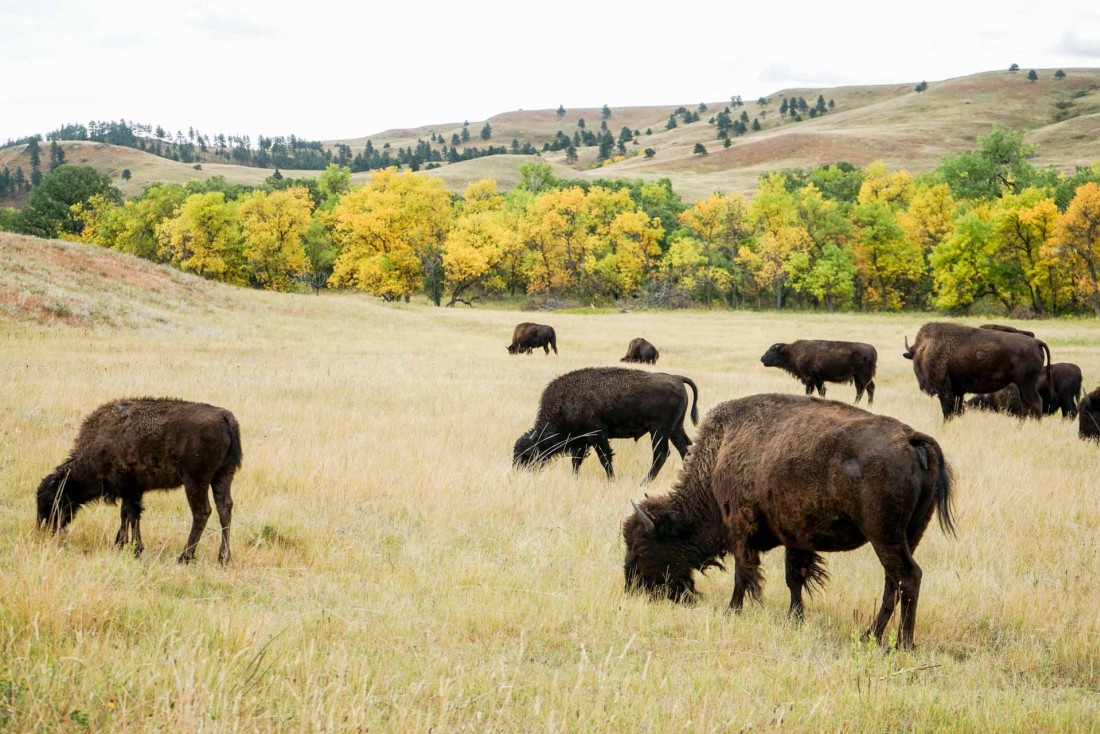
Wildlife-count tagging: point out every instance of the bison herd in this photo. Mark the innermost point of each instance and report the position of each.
(769, 470)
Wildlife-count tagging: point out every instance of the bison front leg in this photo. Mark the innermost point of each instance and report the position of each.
(948, 404)
(603, 451)
(578, 451)
(198, 499)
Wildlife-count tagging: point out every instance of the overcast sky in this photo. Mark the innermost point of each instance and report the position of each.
(325, 70)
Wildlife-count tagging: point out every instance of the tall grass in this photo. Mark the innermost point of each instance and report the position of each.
(392, 573)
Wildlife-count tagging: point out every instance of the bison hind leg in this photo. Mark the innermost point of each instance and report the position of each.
(903, 577)
(748, 578)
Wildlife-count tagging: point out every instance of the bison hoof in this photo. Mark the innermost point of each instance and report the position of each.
(185, 558)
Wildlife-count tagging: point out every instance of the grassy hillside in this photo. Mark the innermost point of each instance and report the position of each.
(892, 122)
(392, 573)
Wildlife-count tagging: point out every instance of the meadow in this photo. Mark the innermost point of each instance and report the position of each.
(392, 572)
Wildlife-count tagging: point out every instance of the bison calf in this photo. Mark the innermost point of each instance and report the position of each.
(127, 447)
(814, 362)
(527, 337)
(808, 474)
(639, 350)
(587, 407)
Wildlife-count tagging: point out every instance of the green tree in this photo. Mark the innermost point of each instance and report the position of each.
(699, 149)
(605, 112)
(755, 125)
(571, 154)
(126, 175)
(49, 209)
(486, 132)
(321, 253)
(561, 111)
(536, 178)
(999, 164)
(1014, 68)
(1032, 76)
(334, 182)
(671, 122)
(36, 162)
(921, 87)
(650, 152)
(1059, 74)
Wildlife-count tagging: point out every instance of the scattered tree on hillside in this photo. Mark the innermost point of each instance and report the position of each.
(702, 107)
(1014, 68)
(1032, 76)
(921, 87)
(605, 112)
(465, 132)
(671, 122)
(1059, 74)
(49, 210)
(36, 162)
(57, 156)
(735, 101)
(126, 174)
(649, 152)
(832, 104)
(561, 111)
(571, 154)
(699, 149)
(761, 101)
(755, 125)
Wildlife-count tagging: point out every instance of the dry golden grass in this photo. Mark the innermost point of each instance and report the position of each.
(392, 573)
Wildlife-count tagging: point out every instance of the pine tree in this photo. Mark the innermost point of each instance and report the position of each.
(1032, 76)
(561, 111)
(571, 154)
(36, 163)
(699, 149)
(671, 122)
(755, 125)
(605, 112)
(1059, 74)
(126, 175)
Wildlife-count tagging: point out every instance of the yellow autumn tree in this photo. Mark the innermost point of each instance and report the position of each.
(482, 196)
(720, 224)
(391, 234)
(203, 238)
(929, 218)
(1023, 225)
(558, 236)
(474, 248)
(892, 188)
(1078, 236)
(888, 265)
(273, 226)
(779, 236)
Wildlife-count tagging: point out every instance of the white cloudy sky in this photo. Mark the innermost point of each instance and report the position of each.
(327, 70)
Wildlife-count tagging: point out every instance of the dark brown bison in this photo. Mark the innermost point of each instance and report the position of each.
(588, 407)
(814, 362)
(1058, 392)
(639, 350)
(528, 336)
(127, 447)
(1007, 329)
(951, 360)
(1005, 400)
(808, 474)
(1088, 416)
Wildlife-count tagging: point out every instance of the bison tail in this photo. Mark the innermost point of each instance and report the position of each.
(694, 402)
(236, 454)
(943, 479)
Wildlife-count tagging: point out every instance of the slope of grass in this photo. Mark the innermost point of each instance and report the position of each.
(391, 572)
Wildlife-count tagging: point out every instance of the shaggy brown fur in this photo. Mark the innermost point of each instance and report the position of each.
(587, 407)
(639, 350)
(528, 336)
(127, 447)
(1088, 416)
(800, 472)
(815, 361)
(951, 360)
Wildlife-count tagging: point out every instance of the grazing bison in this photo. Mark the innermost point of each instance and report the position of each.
(1007, 329)
(815, 362)
(588, 407)
(1005, 400)
(127, 447)
(950, 360)
(1088, 416)
(808, 474)
(1061, 390)
(639, 350)
(528, 336)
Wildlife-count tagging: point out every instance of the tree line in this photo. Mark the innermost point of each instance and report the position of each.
(984, 231)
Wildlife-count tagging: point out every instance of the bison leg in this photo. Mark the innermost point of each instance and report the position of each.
(223, 500)
(1032, 405)
(603, 451)
(1069, 408)
(870, 393)
(199, 500)
(803, 567)
(747, 578)
(903, 577)
(821, 388)
(578, 452)
(948, 403)
(660, 454)
(681, 441)
(809, 387)
(122, 537)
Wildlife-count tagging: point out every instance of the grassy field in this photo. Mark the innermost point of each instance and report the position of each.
(392, 573)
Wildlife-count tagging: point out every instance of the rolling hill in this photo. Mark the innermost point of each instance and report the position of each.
(895, 123)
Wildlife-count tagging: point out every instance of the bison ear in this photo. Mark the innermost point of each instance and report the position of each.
(671, 525)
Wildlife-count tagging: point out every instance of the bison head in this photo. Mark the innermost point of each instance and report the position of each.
(536, 447)
(658, 547)
(776, 356)
(55, 499)
(513, 348)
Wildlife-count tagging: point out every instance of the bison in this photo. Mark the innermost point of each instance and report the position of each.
(639, 350)
(1088, 416)
(1060, 391)
(127, 447)
(588, 407)
(527, 337)
(950, 360)
(815, 362)
(808, 474)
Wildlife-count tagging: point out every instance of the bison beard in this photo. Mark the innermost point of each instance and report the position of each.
(808, 474)
(127, 447)
(588, 407)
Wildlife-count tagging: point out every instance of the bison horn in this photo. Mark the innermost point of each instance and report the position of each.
(907, 347)
(643, 517)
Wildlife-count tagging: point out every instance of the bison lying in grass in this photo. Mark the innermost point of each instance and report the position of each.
(127, 447)
(587, 407)
(808, 474)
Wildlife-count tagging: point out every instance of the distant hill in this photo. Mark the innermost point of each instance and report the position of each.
(907, 129)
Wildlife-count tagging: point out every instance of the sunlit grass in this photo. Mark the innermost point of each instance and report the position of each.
(392, 573)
